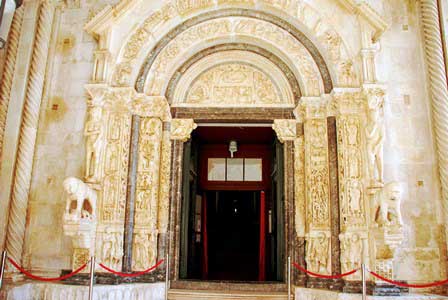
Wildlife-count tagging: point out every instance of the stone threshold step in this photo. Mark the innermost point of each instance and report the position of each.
(178, 294)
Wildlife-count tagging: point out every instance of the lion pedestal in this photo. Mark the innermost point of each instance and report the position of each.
(79, 220)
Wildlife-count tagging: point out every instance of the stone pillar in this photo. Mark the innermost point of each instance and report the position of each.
(300, 202)
(352, 197)
(9, 68)
(28, 133)
(180, 132)
(164, 192)
(438, 87)
(318, 234)
(146, 202)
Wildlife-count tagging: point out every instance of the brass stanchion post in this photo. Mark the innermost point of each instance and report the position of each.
(167, 276)
(364, 286)
(2, 268)
(289, 277)
(92, 276)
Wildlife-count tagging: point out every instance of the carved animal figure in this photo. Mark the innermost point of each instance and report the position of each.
(388, 211)
(79, 192)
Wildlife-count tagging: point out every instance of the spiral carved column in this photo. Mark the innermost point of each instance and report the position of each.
(8, 72)
(438, 86)
(28, 132)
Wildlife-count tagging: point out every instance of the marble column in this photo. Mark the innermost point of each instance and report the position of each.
(28, 133)
(8, 71)
(438, 86)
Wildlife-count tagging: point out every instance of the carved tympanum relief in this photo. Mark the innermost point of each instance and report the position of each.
(233, 84)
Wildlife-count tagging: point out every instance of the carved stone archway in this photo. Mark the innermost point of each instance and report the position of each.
(318, 110)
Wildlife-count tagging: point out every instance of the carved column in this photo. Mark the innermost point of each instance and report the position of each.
(8, 71)
(164, 191)
(318, 234)
(146, 210)
(28, 133)
(438, 87)
(180, 132)
(352, 198)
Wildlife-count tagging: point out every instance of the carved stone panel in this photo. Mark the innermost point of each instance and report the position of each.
(316, 153)
(351, 171)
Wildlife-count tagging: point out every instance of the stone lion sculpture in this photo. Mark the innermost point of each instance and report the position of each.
(387, 208)
(79, 192)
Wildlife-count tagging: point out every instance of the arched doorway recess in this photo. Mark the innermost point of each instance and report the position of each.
(159, 76)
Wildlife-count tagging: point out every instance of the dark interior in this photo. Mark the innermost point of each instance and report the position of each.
(222, 221)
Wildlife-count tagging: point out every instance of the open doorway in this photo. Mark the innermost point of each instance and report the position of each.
(232, 212)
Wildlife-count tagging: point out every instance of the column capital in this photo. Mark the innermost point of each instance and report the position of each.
(181, 129)
(286, 129)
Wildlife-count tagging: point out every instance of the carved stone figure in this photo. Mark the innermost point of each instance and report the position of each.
(112, 250)
(141, 251)
(352, 249)
(181, 129)
(94, 144)
(354, 196)
(375, 134)
(387, 208)
(285, 129)
(84, 197)
(317, 253)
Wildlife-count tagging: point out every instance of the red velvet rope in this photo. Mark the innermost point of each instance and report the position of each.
(417, 286)
(28, 274)
(324, 276)
(133, 274)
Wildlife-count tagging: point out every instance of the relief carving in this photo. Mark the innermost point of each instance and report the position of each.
(144, 251)
(299, 186)
(229, 84)
(316, 139)
(317, 253)
(83, 197)
(353, 252)
(112, 249)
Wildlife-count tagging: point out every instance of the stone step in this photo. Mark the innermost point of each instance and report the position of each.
(180, 294)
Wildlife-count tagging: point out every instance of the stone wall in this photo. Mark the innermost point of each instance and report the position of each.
(60, 143)
(409, 148)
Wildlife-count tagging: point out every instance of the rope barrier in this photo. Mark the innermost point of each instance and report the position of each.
(324, 276)
(417, 286)
(28, 274)
(133, 274)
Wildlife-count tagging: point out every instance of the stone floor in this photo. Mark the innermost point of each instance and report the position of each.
(156, 291)
(314, 294)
